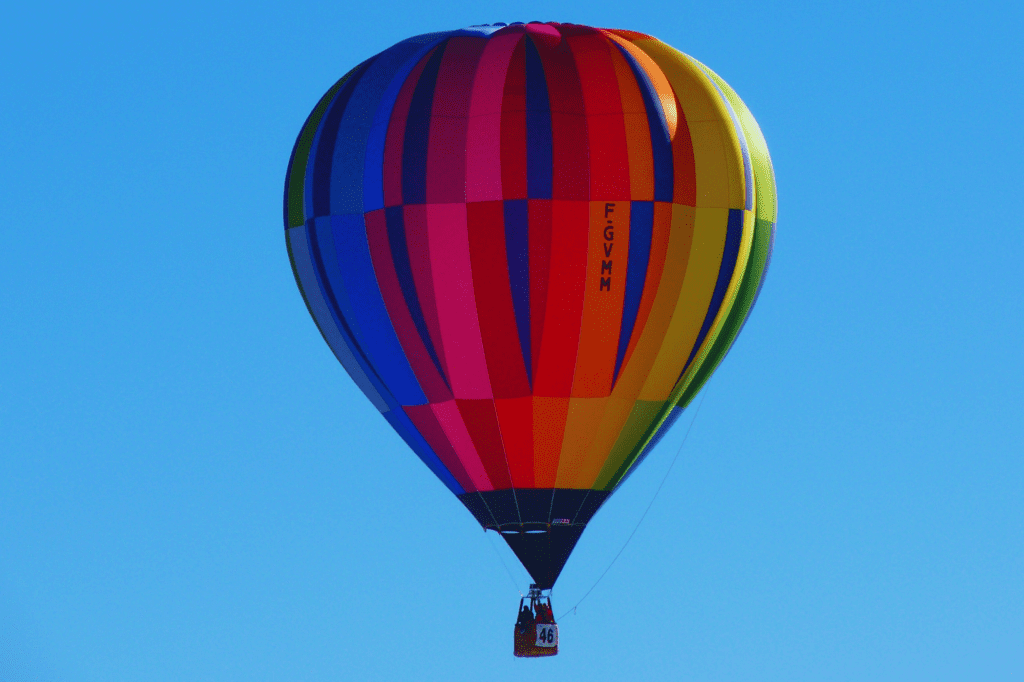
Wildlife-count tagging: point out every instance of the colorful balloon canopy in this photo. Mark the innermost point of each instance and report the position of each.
(530, 245)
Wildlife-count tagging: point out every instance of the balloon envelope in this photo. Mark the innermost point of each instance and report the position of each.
(529, 246)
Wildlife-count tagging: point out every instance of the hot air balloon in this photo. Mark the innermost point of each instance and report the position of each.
(530, 245)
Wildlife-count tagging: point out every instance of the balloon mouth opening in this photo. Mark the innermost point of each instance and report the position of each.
(525, 528)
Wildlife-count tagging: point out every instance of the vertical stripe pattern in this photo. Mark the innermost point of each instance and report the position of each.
(530, 245)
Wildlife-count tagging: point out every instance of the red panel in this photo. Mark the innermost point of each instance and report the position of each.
(564, 306)
(568, 123)
(446, 156)
(515, 418)
(426, 423)
(609, 161)
(398, 311)
(505, 365)
(513, 128)
(482, 423)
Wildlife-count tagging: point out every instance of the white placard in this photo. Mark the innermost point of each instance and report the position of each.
(547, 635)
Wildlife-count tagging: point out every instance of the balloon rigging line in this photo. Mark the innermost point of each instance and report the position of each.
(644, 515)
(510, 577)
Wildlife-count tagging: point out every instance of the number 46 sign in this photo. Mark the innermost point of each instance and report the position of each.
(547, 635)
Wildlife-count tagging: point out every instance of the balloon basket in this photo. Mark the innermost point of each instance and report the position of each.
(536, 632)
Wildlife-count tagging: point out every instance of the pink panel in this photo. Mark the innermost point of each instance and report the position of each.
(456, 301)
(483, 138)
(425, 421)
(450, 418)
(544, 33)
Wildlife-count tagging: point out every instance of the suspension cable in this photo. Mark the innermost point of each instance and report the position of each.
(644, 515)
(510, 577)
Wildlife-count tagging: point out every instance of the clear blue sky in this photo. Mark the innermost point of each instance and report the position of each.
(189, 483)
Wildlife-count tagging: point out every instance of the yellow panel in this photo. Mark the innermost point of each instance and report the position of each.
(714, 177)
(702, 105)
(616, 412)
(581, 426)
(710, 228)
(697, 97)
(757, 148)
(746, 240)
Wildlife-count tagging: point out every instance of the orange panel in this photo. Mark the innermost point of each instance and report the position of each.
(575, 470)
(549, 415)
(634, 373)
(658, 81)
(655, 269)
(638, 132)
(607, 258)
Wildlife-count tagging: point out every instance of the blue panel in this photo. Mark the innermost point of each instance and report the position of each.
(360, 116)
(320, 233)
(406, 55)
(729, 255)
(331, 327)
(346, 260)
(539, 147)
(318, 169)
(417, 133)
(517, 252)
(661, 142)
(641, 228)
(401, 423)
(315, 233)
(403, 269)
(325, 264)
(321, 247)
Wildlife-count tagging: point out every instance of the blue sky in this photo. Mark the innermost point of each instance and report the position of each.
(189, 482)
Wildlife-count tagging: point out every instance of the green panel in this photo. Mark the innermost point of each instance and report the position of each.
(300, 155)
(646, 415)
